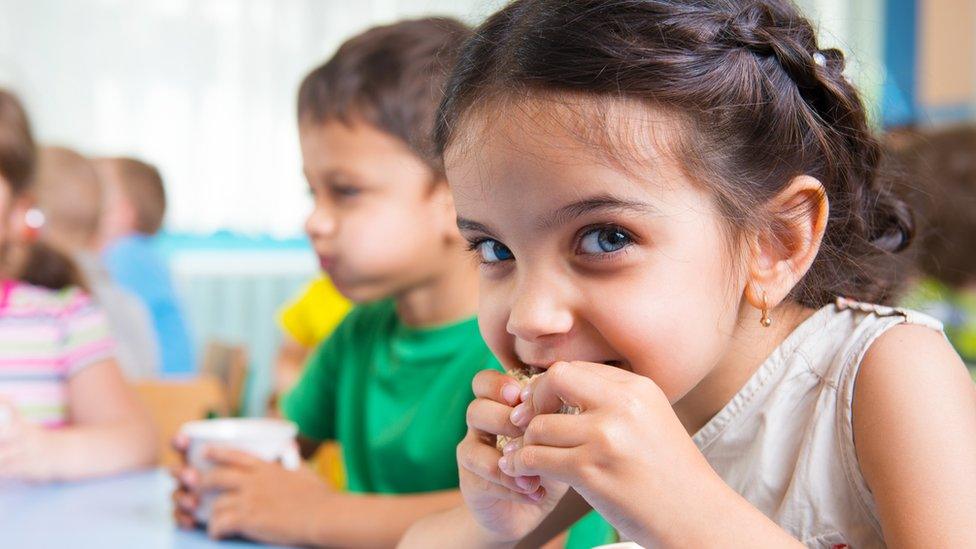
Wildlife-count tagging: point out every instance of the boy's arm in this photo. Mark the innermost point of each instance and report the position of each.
(370, 520)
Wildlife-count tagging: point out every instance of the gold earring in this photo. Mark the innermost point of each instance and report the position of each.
(765, 321)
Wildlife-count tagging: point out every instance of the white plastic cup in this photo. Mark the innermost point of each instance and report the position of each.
(267, 439)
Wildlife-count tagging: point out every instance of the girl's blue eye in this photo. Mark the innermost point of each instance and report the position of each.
(493, 251)
(604, 240)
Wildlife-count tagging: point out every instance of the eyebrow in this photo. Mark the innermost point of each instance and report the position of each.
(565, 214)
(473, 226)
(599, 203)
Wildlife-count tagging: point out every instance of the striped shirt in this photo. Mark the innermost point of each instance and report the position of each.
(46, 337)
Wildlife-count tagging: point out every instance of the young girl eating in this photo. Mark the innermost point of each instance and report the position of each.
(681, 220)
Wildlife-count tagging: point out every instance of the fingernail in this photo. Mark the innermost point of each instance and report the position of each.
(523, 483)
(510, 447)
(518, 413)
(510, 393)
(526, 393)
(503, 463)
(538, 494)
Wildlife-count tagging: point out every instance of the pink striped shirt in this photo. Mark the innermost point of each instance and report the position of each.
(47, 336)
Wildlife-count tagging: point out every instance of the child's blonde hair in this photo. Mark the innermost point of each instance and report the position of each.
(70, 195)
(142, 185)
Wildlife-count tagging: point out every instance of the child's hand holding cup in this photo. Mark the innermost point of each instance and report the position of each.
(271, 440)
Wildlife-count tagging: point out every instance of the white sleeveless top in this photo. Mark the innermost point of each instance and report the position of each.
(786, 442)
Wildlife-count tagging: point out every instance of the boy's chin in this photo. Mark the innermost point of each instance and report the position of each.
(360, 293)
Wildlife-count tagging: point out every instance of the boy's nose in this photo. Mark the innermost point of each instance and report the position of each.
(320, 223)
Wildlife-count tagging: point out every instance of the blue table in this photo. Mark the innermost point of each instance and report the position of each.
(132, 510)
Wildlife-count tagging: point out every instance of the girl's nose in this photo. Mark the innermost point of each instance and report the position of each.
(538, 311)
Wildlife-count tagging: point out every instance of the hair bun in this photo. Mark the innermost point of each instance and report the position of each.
(893, 227)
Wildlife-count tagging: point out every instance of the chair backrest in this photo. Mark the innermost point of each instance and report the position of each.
(171, 403)
(227, 363)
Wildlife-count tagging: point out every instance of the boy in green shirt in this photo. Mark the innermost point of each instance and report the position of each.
(393, 382)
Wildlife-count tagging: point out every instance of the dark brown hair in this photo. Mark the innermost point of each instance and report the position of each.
(142, 185)
(940, 165)
(35, 263)
(391, 77)
(759, 103)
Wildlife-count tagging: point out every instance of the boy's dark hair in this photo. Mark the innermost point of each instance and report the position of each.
(38, 264)
(391, 77)
(757, 100)
(941, 164)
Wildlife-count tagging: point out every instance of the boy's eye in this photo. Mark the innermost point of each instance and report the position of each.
(345, 191)
(493, 251)
(604, 240)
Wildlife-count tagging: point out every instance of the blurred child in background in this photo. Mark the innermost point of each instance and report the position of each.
(942, 187)
(135, 203)
(391, 383)
(69, 195)
(66, 411)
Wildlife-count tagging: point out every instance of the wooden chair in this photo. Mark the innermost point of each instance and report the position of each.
(227, 363)
(173, 403)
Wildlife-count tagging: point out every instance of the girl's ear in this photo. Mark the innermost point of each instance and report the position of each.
(18, 227)
(783, 252)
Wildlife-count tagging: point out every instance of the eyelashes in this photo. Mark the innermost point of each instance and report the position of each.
(593, 243)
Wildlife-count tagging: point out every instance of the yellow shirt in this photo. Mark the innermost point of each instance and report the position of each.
(311, 317)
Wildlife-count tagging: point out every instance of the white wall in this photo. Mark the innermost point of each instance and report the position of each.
(203, 88)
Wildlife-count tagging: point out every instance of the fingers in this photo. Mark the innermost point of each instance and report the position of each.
(555, 430)
(180, 443)
(491, 417)
(225, 518)
(581, 384)
(495, 385)
(228, 457)
(186, 477)
(481, 460)
(221, 479)
(185, 502)
(554, 463)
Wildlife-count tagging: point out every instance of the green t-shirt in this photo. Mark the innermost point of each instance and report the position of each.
(394, 397)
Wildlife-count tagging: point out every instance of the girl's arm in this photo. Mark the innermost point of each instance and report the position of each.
(454, 528)
(110, 431)
(915, 437)
(458, 528)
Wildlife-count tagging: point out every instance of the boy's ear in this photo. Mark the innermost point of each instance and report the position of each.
(781, 253)
(443, 200)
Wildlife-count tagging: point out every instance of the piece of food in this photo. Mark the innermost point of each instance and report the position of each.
(525, 377)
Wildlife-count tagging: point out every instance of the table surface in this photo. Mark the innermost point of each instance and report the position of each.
(132, 510)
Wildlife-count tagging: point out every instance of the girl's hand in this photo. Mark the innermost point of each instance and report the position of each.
(626, 453)
(25, 451)
(507, 506)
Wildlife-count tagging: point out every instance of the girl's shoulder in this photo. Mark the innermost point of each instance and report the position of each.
(22, 299)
